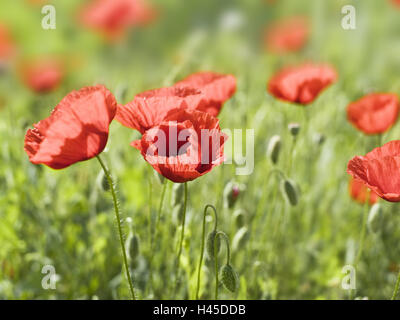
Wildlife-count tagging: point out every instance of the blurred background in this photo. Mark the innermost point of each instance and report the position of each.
(65, 219)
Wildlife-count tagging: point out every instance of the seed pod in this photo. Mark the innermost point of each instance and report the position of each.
(289, 190)
(120, 92)
(240, 239)
(294, 129)
(177, 193)
(232, 191)
(132, 246)
(239, 217)
(274, 147)
(374, 217)
(229, 278)
(210, 244)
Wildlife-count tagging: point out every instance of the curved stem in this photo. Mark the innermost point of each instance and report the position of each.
(202, 243)
(396, 288)
(118, 217)
(228, 257)
(182, 232)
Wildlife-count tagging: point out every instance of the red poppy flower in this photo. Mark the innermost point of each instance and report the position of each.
(396, 2)
(150, 108)
(185, 146)
(288, 35)
(375, 113)
(360, 193)
(301, 84)
(114, 17)
(42, 75)
(217, 88)
(379, 170)
(76, 130)
(6, 43)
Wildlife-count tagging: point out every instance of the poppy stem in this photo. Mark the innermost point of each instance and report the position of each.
(182, 234)
(202, 243)
(228, 257)
(118, 217)
(396, 288)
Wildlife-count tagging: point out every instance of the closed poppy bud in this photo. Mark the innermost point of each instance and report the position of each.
(374, 217)
(231, 193)
(177, 193)
(210, 244)
(229, 278)
(239, 217)
(274, 147)
(132, 246)
(103, 182)
(294, 129)
(319, 139)
(240, 238)
(289, 191)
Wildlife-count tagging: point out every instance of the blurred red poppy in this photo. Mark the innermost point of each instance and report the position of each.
(301, 84)
(396, 2)
(150, 108)
(42, 75)
(113, 17)
(216, 87)
(375, 113)
(185, 146)
(7, 46)
(76, 130)
(379, 170)
(360, 193)
(288, 35)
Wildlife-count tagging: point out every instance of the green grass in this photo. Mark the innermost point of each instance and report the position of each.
(65, 219)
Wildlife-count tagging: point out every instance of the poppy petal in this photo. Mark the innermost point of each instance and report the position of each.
(76, 130)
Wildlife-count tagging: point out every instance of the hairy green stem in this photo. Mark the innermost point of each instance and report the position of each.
(202, 243)
(118, 217)
(228, 257)
(396, 288)
(182, 233)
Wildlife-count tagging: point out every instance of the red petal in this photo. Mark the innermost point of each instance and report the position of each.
(374, 113)
(150, 108)
(76, 130)
(216, 87)
(301, 84)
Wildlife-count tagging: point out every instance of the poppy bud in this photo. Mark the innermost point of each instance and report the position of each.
(294, 129)
(239, 217)
(229, 278)
(274, 147)
(177, 193)
(374, 217)
(240, 238)
(289, 191)
(132, 246)
(103, 182)
(231, 193)
(210, 244)
(319, 138)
